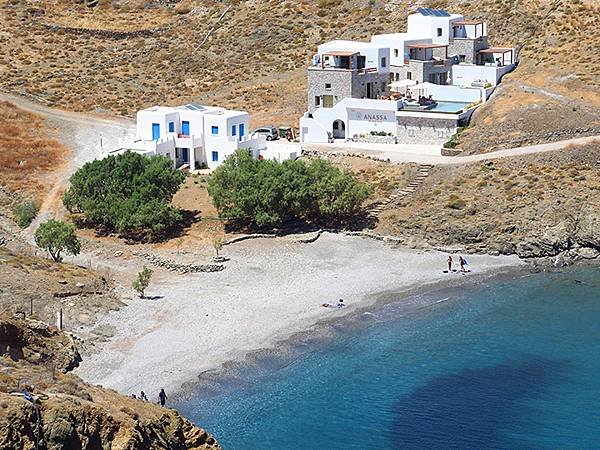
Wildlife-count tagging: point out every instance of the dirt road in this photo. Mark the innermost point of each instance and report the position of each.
(84, 134)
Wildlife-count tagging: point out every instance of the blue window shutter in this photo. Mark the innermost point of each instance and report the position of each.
(215, 129)
(215, 156)
(233, 130)
(242, 131)
(171, 127)
(185, 128)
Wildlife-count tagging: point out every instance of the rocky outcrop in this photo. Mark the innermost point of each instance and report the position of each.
(173, 266)
(66, 413)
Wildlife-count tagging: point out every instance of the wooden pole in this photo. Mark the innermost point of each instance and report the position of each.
(31, 307)
(59, 319)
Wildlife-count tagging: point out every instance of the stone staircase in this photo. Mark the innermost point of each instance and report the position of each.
(422, 173)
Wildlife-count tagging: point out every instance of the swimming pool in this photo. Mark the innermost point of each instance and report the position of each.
(449, 107)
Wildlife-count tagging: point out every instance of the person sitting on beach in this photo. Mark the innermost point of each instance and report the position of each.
(143, 396)
(340, 303)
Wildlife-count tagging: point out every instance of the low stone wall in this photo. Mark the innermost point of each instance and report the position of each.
(328, 155)
(373, 139)
(102, 33)
(180, 267)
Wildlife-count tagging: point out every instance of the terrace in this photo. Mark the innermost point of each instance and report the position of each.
(496, 56)
(424, 53)
(468, 29)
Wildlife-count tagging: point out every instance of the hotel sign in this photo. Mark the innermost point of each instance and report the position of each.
(373, 116)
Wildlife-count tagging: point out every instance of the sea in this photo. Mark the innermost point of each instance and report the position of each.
(509, 363)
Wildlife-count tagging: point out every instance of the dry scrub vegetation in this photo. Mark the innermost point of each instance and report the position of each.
(255, 57)
(533, 206)
(29, 158)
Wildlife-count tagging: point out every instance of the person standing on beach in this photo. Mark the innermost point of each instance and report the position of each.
(449, 263)
(162, 397)
(462, 262)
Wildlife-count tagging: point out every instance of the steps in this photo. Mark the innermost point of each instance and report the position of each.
(422, 173)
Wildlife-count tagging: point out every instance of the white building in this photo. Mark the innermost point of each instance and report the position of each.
(420, 85)
(196, 135)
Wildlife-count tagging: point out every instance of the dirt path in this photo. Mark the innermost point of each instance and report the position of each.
(83, 134)
(414, 154)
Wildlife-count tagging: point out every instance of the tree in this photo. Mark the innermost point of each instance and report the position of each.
(267, 193)
(142, 281)
(128, 193)
(57, 237)
(218, 245)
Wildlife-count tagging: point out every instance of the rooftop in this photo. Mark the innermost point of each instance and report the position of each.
(496, 50)
(427, 45)
(468, 22)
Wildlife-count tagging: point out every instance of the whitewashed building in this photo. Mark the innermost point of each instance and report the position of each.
(413, 87)
(194, 135)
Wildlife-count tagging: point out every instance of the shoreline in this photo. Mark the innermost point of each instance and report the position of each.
(321, 333)
(270, 293)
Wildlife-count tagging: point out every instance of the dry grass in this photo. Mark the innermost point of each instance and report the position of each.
(28, 157)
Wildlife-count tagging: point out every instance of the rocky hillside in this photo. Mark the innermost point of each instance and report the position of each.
(533, 206)
(73, 414)
(126, 54)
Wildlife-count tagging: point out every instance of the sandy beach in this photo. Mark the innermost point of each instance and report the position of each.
(270, 290)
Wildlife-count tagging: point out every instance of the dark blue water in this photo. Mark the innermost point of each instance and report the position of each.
(512, 364)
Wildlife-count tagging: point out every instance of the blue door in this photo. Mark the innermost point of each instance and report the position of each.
(185, 155)
(185, 128)
(155, 131)
(241, 131)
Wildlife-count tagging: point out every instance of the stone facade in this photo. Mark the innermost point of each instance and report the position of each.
(423, 71)
(467, 47)
(343, 83)
(423, 130)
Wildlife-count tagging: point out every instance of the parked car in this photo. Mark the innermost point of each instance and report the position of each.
(269, 132)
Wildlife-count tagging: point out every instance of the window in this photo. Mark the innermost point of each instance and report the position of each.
(233, 130)
(214, 129)
(439, 32)
(242, 130)
(171, 127)
(462, 58)
(327, 85)
(328, 101)
(317, 101)
(409, 75)
(215, 156)
(396, 53)
(383, 62)
(185, 128)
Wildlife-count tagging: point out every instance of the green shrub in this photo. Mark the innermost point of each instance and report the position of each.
(57, 237)
(127, 193)
(267, 193)
(453, 142)
(25, 213)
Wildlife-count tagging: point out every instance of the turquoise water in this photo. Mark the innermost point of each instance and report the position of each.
(449, 107)
(507, 365)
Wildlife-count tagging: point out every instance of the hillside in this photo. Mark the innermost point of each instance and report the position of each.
(124, 55)
(73, 414)
(533, 206)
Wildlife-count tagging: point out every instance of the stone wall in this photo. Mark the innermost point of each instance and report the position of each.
(343, 84)
(420, 70)
(468, 47)
(423, 130)
(340, 81)
(373, 139)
